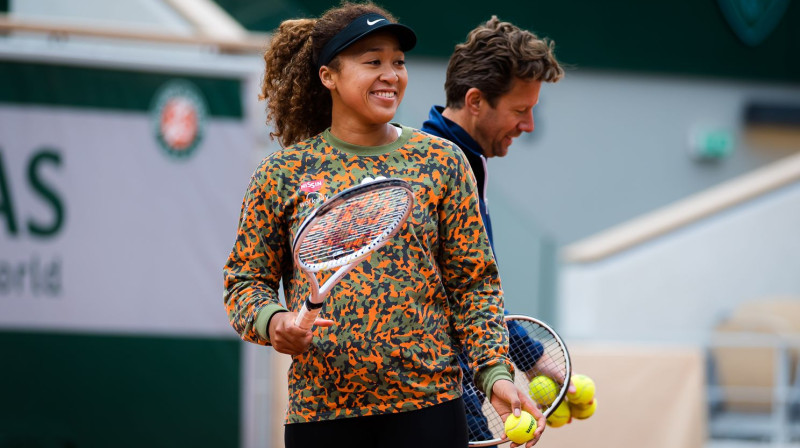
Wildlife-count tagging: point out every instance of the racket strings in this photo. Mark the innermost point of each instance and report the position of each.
(354, 227)
(534, 351)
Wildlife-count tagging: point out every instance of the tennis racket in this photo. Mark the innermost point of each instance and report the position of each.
(343, 231)
(535, 349)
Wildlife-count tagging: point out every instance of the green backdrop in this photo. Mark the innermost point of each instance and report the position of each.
(682, 37)
(72, 390)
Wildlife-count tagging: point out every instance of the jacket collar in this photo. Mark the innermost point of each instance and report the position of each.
(450, 130)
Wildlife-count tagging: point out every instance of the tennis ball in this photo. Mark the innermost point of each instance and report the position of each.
(560, 416)
(583, 411)
(520, 429)
(584, 390)
(543, 390)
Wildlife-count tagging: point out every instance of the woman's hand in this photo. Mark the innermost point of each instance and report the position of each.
(288, 338)
(508, 399)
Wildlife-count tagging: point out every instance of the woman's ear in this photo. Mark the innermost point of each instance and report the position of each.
(473, 100)
(326, 75)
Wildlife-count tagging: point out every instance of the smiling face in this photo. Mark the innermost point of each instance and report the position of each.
(370, 81)
(494, 128)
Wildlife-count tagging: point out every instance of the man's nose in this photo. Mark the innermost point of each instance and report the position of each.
(526, 125)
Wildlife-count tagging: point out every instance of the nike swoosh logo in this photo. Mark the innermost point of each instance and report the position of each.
(373, 22)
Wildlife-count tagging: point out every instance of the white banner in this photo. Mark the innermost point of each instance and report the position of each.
(119, 220)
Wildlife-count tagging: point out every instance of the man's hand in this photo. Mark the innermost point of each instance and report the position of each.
(544, 366)
(547, 367)
(288, 338)
(508, 399)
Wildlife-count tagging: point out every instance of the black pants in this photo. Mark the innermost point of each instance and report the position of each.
(440, 426)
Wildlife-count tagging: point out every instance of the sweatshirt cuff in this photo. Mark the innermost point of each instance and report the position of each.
(263, 317)
(491, 375)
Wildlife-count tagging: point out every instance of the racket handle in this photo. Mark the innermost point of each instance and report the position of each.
(307, 315)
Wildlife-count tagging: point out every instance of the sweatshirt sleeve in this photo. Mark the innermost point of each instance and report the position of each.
(255, 266)
(470, 275)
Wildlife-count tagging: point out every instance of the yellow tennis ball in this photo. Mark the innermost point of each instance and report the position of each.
(583, 411)
(584, 390)
(560, 416)
(543, 390)
(520, 429)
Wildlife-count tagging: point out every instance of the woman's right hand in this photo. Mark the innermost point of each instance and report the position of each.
(288, 338)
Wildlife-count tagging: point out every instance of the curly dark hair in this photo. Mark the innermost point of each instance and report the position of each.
(297, 102)
(494, 54)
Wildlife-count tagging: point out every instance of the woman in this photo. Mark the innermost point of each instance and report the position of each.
(379, 368)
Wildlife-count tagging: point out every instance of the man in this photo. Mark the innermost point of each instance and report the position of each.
(492, 85)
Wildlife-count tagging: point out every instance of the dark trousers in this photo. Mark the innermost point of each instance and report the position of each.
(440, 426)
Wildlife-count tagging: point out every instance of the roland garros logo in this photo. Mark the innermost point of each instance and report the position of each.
(178, 118)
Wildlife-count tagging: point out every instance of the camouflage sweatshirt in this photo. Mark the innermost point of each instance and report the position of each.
(401, 316)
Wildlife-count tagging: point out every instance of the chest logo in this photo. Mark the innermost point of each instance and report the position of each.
(311, 186)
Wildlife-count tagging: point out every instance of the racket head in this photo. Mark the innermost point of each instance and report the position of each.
(349, 226)
(550, 358)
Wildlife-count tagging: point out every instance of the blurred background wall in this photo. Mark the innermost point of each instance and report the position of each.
(657, 196)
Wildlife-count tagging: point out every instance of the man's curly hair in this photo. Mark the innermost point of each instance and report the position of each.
(494, 54)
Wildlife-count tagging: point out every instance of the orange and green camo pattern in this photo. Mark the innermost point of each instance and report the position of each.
(401, 316)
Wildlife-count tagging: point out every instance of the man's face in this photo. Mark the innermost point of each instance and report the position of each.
(496, 127)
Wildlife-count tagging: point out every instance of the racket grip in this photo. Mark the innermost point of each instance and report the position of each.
(307, 315)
